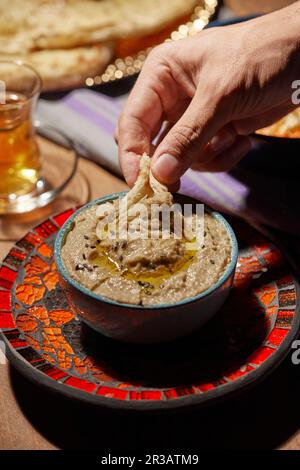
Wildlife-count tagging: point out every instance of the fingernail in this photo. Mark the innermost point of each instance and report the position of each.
(222, 141)
(166, 168)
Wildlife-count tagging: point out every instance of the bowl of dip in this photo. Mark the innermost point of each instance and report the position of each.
(144, 291)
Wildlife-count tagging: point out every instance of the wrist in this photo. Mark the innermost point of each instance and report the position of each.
(277, 34)
(292, 22)
(284, 26)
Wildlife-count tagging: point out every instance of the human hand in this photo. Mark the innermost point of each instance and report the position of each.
(214, 90)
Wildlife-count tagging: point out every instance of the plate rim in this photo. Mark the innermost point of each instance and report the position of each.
(200, 399)
(215, 395)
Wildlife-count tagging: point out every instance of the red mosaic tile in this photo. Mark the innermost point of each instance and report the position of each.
(276, 336)
(29, 241)
(81, 384)
(15, 257)
(145, 395)
(13, 336)
(46, 229)
(110, 392)
(262, 248)
(287, 298)
(241, 281)
(260, 355)
(6, 320)
(285, 318)
(285, 281)
(236, 374)
(53, 372)
(30, 355)
(61, 218)
(249, 265)
(7, 277)
(179, 392)
(18, 343)
(205, 387)
(5, 300)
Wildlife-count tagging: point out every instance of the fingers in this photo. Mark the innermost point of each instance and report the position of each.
(134, 137)
(227, 159)
(222, 141)
(225, 149)
(132, 144)
(136, 125)
(154, 95)
(187, 139)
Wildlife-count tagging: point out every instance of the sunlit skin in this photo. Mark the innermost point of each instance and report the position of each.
(213, 90)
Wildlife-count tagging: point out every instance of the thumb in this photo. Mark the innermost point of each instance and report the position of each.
(186, 139)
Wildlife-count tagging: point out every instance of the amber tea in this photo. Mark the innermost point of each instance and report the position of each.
(20, 163)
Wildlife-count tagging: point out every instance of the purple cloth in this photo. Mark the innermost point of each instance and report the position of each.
(90, 118)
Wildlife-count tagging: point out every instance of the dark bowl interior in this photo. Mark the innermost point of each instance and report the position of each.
(274, 156)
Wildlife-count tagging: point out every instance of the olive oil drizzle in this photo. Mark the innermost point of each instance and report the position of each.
(148, 279)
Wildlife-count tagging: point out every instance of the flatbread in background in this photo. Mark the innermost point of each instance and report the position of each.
(91, 21)
(44, 24)
(70, 40)
(68, 68)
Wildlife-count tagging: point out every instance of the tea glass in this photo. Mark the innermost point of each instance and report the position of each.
(20, 159)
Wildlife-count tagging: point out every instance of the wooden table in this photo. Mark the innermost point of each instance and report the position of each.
(31, 418)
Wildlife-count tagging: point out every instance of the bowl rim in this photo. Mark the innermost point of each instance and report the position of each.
(84, 290)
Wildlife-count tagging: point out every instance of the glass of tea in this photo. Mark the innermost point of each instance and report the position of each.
(20, 159)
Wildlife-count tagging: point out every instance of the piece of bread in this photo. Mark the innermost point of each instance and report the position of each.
(43, 24)
(67, 68)
(61, 38)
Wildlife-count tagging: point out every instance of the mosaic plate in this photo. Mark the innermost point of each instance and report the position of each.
(246, 340)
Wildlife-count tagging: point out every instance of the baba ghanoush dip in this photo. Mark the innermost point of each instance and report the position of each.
(142, 269)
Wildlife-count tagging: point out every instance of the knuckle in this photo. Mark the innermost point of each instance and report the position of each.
(159, 53)
(154, 55)
(243, 127)
(125, 121)
(185, 136)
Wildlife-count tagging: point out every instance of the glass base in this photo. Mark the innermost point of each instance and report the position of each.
(59, 165)
(15, 204)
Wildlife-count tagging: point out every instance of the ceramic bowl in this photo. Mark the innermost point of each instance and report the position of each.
(144, 324)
